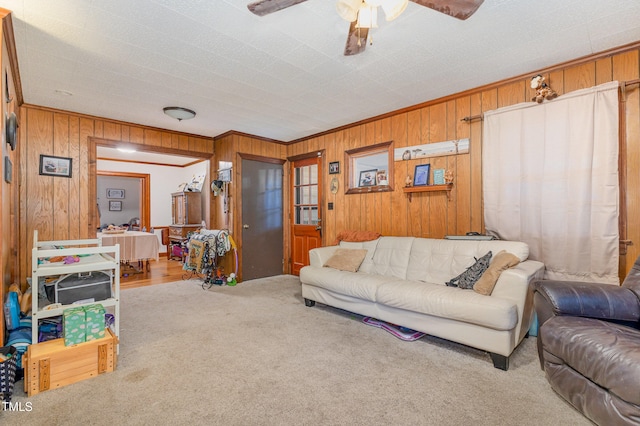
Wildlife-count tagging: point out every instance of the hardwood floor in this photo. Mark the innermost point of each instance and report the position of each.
(162, 271)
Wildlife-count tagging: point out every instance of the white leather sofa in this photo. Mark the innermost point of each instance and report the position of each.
(402, 281)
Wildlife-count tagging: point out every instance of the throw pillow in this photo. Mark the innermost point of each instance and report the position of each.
(346, 259)
(473, 273)
(501, 262)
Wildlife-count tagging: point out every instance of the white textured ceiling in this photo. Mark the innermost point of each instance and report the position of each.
(283, 76)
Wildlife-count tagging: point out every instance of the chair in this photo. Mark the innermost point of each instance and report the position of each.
(164, 235)
(589, 345)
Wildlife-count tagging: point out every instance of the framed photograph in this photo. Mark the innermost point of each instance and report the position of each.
(421, 175)
(55, 166)
(381, 177)
(115, 193)
(224, 175)
(368, 177)
(115, 206)
(334, 167)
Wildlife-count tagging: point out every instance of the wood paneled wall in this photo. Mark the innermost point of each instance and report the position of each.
(64, 208)
(432, 214)
(8, 190)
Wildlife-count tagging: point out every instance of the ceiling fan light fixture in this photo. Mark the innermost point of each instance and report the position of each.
(367, 17)
(179, 113)
(348, 9)
(393, 8)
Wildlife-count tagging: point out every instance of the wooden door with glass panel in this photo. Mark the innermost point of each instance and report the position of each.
(306, 195)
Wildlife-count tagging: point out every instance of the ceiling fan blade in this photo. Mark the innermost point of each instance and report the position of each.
(265, 7)
(460, 9)
(356, 40)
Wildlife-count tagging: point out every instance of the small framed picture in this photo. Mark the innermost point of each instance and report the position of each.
(368, 177)
(224, 175)
(115, 206)
(334, 167)
(381, 177)
(421, 175)
(55, 166)
(115, 193)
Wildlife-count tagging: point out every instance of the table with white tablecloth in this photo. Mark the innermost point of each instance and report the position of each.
(134, 245)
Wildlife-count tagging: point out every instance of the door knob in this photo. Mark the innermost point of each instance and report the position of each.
(318, 228)
(245, 226)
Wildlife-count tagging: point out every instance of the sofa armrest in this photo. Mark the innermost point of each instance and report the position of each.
(592, 300)
(514, 284)
(319, 255)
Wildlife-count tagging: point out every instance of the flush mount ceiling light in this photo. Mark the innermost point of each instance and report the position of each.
(179, 113)
(63, 92)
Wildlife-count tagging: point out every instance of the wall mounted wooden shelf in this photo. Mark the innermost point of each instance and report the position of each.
(409, 190)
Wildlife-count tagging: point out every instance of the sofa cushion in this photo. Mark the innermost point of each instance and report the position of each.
(449, 302)
(346, 259)
(354, 284)
(370, 246)
(391, 256)
(500, 262)
(468, 278)
(437, 260)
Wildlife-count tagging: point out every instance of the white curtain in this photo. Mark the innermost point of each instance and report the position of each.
(550, 179)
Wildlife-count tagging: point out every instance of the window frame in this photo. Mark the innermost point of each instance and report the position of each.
(351, 159)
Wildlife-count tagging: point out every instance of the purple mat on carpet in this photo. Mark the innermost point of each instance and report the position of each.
(402, 333)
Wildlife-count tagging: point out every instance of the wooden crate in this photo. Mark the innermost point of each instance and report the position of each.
(51, 364)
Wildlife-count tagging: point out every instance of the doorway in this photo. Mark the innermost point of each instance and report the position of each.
(262, 218)
(306, 193)
(122, 197)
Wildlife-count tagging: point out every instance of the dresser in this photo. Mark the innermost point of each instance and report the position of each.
(186, 216)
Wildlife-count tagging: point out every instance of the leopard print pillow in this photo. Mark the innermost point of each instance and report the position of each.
(473, 273)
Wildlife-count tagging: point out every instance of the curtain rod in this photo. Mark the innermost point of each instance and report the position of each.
(472, 117)
(623, 88)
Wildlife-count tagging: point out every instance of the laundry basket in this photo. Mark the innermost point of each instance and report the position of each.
(7, 372)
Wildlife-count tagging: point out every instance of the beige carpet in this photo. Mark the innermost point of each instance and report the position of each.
(255, 355)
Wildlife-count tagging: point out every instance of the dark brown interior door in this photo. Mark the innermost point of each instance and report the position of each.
(306, 193)
(262, 219)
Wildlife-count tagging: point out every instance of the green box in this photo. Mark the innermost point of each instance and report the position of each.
(74, 323)
(94, 322)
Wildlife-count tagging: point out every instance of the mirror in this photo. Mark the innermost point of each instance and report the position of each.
(369, 168)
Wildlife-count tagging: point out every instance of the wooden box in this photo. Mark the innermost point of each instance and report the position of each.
(51, 364)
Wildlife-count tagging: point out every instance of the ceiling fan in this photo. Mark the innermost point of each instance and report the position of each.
(363, 14)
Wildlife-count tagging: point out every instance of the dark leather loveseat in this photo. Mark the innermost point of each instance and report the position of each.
(589, 345)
